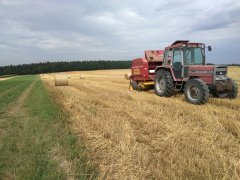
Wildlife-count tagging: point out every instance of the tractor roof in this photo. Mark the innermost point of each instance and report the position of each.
(180, 43)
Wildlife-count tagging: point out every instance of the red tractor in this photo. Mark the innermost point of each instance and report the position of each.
(181, 66)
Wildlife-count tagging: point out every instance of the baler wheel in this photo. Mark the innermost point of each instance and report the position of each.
(227, 94)
(196, 91)
(134, 86)
(163, 83)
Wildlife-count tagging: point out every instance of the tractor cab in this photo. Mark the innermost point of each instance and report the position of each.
(182, 54)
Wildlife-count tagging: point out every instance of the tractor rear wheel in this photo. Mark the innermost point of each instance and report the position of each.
(163, 83)
(134, 86)
(196, 91)
(232, 94)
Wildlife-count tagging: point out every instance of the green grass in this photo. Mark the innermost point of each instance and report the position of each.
(36, 143)
(12, 88)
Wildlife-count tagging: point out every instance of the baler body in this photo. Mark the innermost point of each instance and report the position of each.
(143, 69)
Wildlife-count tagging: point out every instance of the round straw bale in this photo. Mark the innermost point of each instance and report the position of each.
(82, 76)
(61, 80)
(127, 76)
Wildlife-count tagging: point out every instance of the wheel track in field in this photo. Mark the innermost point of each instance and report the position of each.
(14, 110)
(16, 106)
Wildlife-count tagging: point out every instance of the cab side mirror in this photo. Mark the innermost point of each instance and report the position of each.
(209, 48)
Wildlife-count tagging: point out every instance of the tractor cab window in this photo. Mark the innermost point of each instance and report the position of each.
(193, 56)
(167, 57)
(177, 59)
(177, 63)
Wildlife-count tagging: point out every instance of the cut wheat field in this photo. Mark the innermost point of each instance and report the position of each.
(139, 135)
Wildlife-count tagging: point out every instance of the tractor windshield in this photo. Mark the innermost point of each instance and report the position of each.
(193, 56)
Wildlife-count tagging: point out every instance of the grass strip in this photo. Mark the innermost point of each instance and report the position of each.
(38, 145)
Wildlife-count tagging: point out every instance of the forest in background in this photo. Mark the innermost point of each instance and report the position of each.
(61, 66)
(49, 67)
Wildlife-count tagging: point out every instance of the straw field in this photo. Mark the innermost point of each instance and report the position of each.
(138, 135)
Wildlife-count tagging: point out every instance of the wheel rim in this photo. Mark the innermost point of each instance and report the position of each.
(161, 85)
(193, 92)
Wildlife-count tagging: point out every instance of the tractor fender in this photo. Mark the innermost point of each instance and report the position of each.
(166, 69)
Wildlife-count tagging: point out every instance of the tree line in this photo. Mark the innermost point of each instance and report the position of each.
(49, 67)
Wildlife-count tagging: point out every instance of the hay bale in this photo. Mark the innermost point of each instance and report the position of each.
(82, 76)
(127, 76)
(61, 80)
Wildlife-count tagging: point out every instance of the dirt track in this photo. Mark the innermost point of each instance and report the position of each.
(3, 79)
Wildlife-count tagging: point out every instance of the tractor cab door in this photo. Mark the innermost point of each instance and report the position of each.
(177, 63)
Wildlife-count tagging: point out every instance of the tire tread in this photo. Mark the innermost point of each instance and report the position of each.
(169, 82)
(205, 91)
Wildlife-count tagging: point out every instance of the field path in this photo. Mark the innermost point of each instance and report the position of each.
(14, 110)
(3, 79)
(16, 107)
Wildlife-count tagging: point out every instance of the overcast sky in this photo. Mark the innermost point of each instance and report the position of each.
(51, 30)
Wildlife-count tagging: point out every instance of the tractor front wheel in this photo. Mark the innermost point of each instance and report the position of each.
(232, 94)
(163, 83)
(196, 91)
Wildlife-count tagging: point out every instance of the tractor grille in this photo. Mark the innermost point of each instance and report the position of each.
(221, 73)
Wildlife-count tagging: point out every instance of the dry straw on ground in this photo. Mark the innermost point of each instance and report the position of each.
(135, 135)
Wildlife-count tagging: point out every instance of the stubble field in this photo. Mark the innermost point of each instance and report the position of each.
(138, 135)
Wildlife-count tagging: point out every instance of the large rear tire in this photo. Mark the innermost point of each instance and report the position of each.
(232, 94)
(163, 83)
(196, 91)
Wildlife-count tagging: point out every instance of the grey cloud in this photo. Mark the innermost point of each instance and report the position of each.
(118, 29)
(220, 19)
